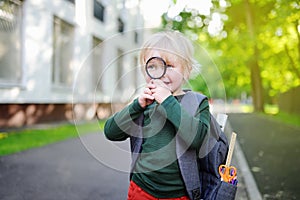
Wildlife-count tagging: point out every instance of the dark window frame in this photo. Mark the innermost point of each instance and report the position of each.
(72, 1)
(121, 25)
(99, 11)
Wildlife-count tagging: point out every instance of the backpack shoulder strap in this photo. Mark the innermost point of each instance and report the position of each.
(187, 158)
(215, 128)
(136, 141)
(191, 101)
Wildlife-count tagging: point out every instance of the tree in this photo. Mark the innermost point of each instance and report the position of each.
(258, 45)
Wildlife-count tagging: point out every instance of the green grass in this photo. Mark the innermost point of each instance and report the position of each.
(288, 118)
(17, 141)
(247, 108)
(271, 109)
(273, 112)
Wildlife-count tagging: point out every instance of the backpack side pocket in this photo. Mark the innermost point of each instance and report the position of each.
(226, 191)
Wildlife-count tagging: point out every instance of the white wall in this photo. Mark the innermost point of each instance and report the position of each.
(37, 53)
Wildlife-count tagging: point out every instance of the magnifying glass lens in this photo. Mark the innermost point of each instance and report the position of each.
(156, 67)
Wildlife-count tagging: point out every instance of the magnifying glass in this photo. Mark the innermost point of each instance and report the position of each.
(156, 67)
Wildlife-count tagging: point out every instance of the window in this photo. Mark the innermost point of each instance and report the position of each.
(63, 46)
(97, 65)
(10, 42)
(120, 25)
(99, 10)
(136, 37)
(72, 1)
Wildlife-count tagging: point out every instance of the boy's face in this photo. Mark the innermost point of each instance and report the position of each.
(174, 76)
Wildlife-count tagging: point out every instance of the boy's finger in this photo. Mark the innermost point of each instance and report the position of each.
(147, 91)
(159, 83)
(147, 96)
(151, 85)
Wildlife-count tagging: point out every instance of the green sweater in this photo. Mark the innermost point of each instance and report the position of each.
(157, 170)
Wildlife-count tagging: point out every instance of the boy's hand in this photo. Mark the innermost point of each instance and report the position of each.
(160, 91)
(146, 98)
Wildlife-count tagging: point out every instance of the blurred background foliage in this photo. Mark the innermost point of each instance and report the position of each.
(256, 46)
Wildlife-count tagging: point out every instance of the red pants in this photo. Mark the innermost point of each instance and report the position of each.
(137, 193)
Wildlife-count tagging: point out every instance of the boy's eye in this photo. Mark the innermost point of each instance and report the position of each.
(170, 66)
(151, 67)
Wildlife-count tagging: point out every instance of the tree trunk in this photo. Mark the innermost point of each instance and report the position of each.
(256, 81)
(256, 86)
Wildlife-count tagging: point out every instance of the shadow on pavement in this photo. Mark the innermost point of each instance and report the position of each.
(272, 150)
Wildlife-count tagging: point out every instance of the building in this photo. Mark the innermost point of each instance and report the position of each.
(65, 59)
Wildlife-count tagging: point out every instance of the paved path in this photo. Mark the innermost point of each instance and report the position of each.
(61, 171)
(272, 150)
(90, 167)
(76, 169)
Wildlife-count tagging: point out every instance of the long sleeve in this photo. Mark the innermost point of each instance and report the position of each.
(117, 127)
(192, 129)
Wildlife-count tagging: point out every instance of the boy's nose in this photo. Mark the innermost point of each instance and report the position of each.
(164, 78)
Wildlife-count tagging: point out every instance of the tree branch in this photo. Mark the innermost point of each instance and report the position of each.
(293, 64)
(298, 36)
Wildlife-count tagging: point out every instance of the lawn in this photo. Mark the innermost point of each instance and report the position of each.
(20, 140)
(273, 112)
(287, 118)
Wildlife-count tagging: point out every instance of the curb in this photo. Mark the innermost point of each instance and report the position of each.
(250, 183)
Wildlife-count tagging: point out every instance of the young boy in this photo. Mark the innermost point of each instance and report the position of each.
(155, 171)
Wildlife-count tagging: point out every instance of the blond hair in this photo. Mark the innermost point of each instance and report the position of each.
(171, 42)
